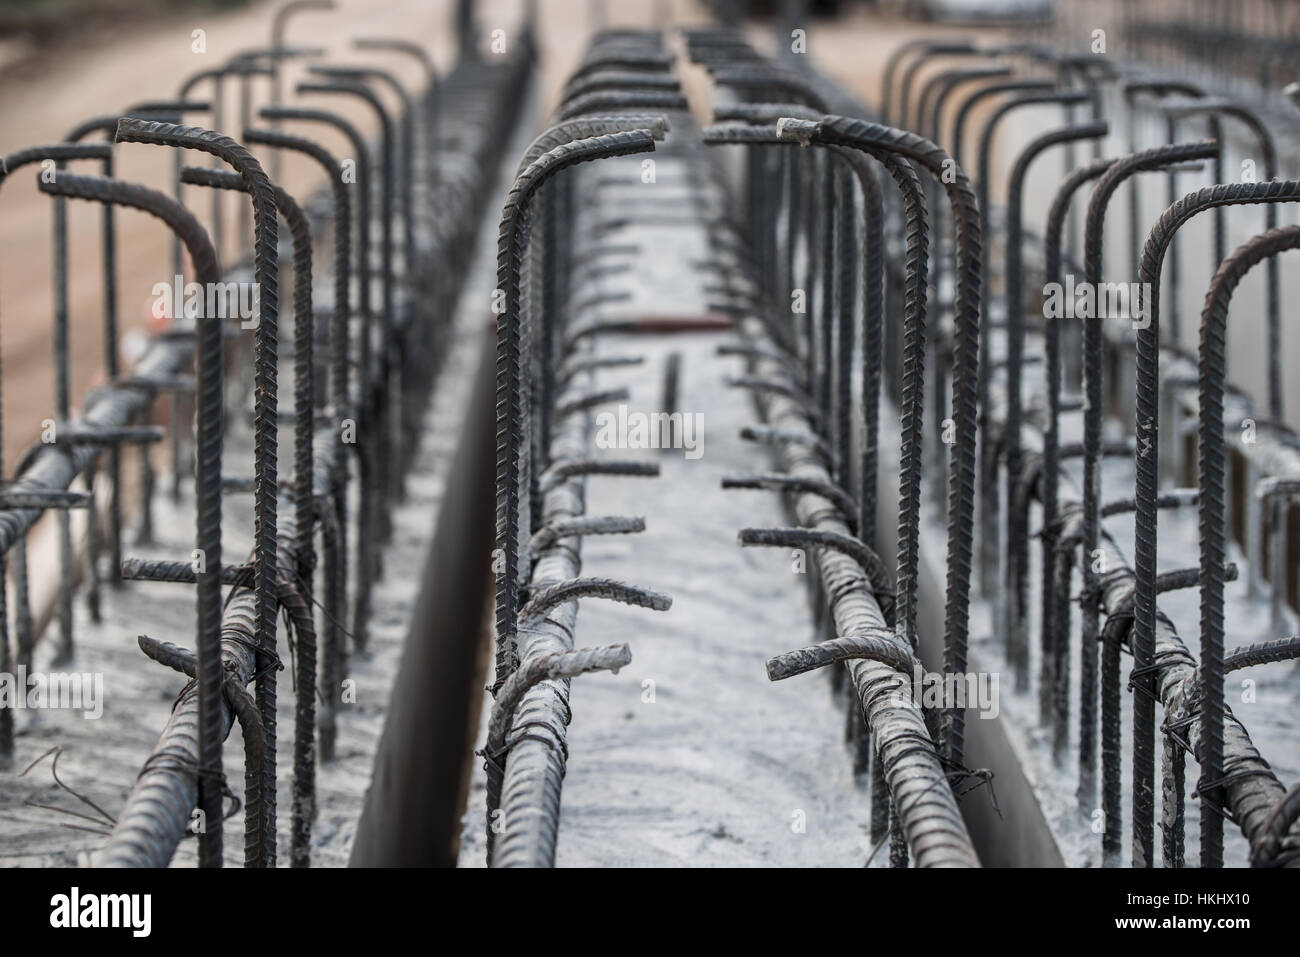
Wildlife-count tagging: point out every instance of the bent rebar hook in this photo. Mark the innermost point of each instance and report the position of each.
(1212, 475)
(1093, 344)
(1148, 461)
(510, 365)
(912, 404)
(207, 480)
(844, 131)
(1014, 596)
(265, 443)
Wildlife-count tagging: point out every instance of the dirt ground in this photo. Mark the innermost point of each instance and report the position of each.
(102, 72)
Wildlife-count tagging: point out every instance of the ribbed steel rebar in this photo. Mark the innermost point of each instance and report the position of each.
(881, 647)
(264, 413)
(1148, 425)
(1268, 156)
(885, 108)
(546, 667)
(966, 312)
(387, 421)
(1094, 235)
(340, 406)
(614, 101)
(927, 815)
(207, 484)
(1017, 532)
(1250, 788)
(157, 812)
(8, 165)
(549, 534)
(431, 94)
(966, 107)
(873, 295)
(1261, 653)
(107, 125)
(244, 69)
(882, 582)
(406, 151)
(990, 508)
(1212, 476)
(303, 497)
(1054, 639)
(370, 488)
(510, 363)
(903, 118)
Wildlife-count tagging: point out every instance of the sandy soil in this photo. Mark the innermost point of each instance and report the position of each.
(100, 73)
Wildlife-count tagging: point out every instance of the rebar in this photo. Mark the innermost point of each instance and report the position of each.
(1147, 429)
(1017, 535)
(207, 479)
(966, 313)
(265, 443)
(1212, 474)
(511, 370)
(1106, 186)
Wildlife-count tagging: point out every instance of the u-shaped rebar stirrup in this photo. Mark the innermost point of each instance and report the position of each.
(389, 467)
(10, 164)
(1054, 625)
(106, 125)
(563, 132)
(1148, 460)
(966, 310)
(303, 343)
(279, 26)
(966, 108)
(207, 484)
(340, 408)
(585, 127)
(218, 76)
(410, 48)
(170, 111)
(304, 754)
(990, 520)
(1212, 477)
(763, 76)
(373, 498)
(416, 51)
(1093, 342)
(641, 60)
(510, 367)
(912, 404)
(406, 152)
(942, 85)
(621, 80)
(622, 101)
(1273, 301)
(387, 174)
(902, 118)
(1017, 537)
(362, 219)
(1162, 87)
(1092, 362)
(342, 229)
(885, 108)
(265, 509)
